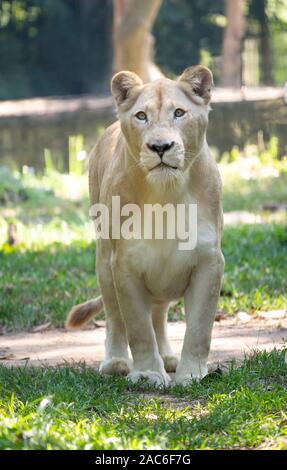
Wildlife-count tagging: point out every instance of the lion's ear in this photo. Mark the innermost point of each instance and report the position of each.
(122, 85)
(199, 81)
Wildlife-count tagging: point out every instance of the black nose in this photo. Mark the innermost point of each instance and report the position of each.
(160, 148)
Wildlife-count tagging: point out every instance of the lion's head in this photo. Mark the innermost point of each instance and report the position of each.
(164, 122)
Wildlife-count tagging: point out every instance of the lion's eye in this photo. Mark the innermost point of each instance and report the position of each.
(179, 112)
(141, 116)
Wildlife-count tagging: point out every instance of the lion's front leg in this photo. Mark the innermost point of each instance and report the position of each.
(201, 299)
(135, 305)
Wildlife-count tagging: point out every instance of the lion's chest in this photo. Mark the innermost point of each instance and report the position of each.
(165, 265)
(164, 268)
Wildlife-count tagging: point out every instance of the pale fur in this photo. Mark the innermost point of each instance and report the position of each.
(139, 278)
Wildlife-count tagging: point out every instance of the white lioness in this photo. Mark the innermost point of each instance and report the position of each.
(157, 153)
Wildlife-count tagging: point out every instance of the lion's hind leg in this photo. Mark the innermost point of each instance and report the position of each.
(159, 319)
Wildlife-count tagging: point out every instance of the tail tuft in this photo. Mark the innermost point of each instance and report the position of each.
(83, 313)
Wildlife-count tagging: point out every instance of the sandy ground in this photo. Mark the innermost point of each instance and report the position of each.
(231, 339)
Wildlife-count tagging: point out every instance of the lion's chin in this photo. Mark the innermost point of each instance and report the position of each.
(164, 175)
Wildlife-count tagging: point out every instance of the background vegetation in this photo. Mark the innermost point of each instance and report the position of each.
(65, 47)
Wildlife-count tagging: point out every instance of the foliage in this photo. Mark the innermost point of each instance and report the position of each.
(76, 408)
(64, 47)
(254, 177)
(48, 47)
(193, 28)
(77, 157)
(269, 17)
(11, 187)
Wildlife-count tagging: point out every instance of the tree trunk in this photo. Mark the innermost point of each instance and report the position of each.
(97, 46)
(265, 52)
(133, 41)
(231, 67)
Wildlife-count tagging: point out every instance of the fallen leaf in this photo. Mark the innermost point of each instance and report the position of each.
(7, 357)
(9, 287)
(43, 327)
(220, 315)
(151, 416)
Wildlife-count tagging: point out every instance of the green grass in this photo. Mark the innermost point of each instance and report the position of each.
(254, 178)
(254, 193)
(42, 285)
(76, 408)
(255, 270)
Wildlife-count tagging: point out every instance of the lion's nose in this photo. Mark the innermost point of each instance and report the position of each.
(160, 148)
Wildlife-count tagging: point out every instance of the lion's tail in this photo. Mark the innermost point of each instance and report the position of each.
(83, 313)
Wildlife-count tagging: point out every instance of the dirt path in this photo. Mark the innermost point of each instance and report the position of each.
(231, 339)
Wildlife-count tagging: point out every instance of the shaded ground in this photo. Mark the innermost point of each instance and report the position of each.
(231, 339)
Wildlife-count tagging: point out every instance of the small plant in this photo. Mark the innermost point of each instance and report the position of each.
(77, 155)
(76, 158)
(49, 164)
(11, 187)
(266, 153)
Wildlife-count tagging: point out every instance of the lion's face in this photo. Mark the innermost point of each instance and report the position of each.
(164, 122)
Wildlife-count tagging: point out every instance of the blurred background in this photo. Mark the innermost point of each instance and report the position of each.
(56, 61)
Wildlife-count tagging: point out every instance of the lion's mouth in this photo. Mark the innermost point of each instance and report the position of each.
(163, 165)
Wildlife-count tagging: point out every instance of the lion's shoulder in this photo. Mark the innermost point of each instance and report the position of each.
(107, 147)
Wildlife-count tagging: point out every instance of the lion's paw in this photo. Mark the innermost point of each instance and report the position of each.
(170, 363)
(157, 379)
(186, 379)
(115, 365)
(188, 371)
